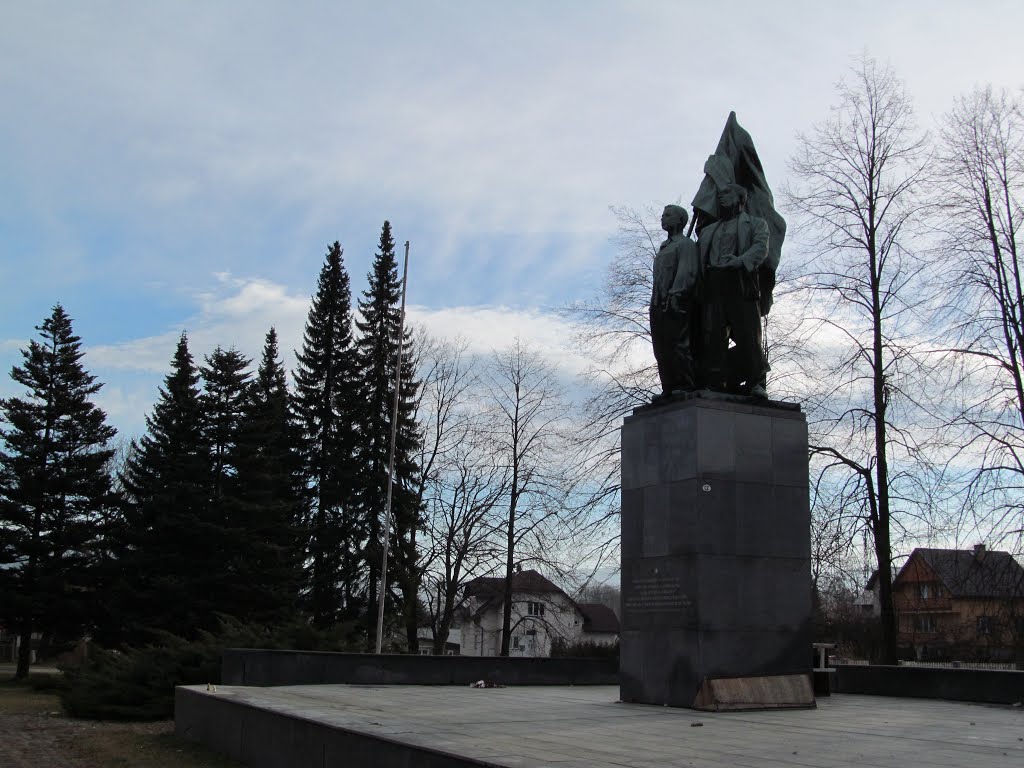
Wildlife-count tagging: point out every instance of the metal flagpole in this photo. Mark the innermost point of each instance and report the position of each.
(391, 460)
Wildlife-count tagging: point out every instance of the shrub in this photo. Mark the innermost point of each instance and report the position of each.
(138, 683)
(583, 649)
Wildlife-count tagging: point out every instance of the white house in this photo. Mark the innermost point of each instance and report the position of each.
(453, 646)
(541, 612)
(600, 624)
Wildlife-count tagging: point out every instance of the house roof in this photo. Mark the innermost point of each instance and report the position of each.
(973, 573)
(491, 589)
(872, 580)
(522, 581)
(598, 617)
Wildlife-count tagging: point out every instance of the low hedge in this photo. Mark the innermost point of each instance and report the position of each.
(138, 683)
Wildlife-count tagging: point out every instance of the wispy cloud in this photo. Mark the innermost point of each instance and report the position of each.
(149, 145)
(236, 311)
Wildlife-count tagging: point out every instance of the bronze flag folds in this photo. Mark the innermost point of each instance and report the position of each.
(736, 162)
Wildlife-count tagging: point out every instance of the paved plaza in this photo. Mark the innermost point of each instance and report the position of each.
(587, 726)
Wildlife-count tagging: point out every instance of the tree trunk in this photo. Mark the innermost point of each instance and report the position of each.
(373, 597)
(24, 648)
(883, 544)
(445, 623)
(410, 592)
(506, 611)
(888, 652)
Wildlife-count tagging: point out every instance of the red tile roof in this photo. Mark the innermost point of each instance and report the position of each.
(976, 573)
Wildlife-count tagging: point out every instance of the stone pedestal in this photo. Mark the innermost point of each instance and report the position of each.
(716, 578)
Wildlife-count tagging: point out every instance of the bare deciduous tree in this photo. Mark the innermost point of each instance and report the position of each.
(528, 437)
(981, 191)
(613, 328)
(464, 507)
(856, 196)
(462, 484)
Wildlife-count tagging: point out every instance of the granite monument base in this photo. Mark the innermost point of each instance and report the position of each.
(716, 581)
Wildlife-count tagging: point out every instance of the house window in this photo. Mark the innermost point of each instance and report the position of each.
(984, 626)
(924, 623)
(515, 642)
(924, 591)
(426, 651)
(535, 609)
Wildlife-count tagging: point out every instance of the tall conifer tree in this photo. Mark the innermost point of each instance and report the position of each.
(53, 487)
(172, 543)
(265, 498)
(325, 401)
(225, 392)
(377, 354)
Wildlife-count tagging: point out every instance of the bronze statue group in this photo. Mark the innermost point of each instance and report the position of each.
(709, 296)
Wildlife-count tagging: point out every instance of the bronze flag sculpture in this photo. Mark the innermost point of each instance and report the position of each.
(706, 325)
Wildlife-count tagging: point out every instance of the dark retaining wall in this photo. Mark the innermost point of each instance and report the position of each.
(263, 738)
(984, 685)
(242, 666)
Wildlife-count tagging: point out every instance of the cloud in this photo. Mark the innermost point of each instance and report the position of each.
(239, 136)
(126, 406)
(238, 311)
(150, 144)
(489, 329)
(232, 312)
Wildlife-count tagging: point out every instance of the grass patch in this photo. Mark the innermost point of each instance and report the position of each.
(101, 744)
(21, 698)
(117, 746)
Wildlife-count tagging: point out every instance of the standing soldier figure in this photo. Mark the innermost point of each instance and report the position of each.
(673, 304)
(732, 251)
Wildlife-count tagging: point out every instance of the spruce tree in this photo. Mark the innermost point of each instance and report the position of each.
(53, 488)
(265, 498)
(377, 355)
(225, 392)
(325, 400)
(172, 543)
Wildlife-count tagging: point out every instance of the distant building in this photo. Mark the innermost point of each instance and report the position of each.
(600, 624)
(962, 604)
(10, 642)
(453, 646)
(868, 603)
(541, 613)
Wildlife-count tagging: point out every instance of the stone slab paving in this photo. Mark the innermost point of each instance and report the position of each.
(587, 726)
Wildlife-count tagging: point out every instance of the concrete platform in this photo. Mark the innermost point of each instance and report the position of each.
(450, 727)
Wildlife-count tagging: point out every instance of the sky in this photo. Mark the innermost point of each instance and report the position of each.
(184, 166)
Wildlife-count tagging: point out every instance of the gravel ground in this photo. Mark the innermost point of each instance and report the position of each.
(48, 741)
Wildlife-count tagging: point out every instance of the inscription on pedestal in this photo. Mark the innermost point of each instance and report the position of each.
(655, 591)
